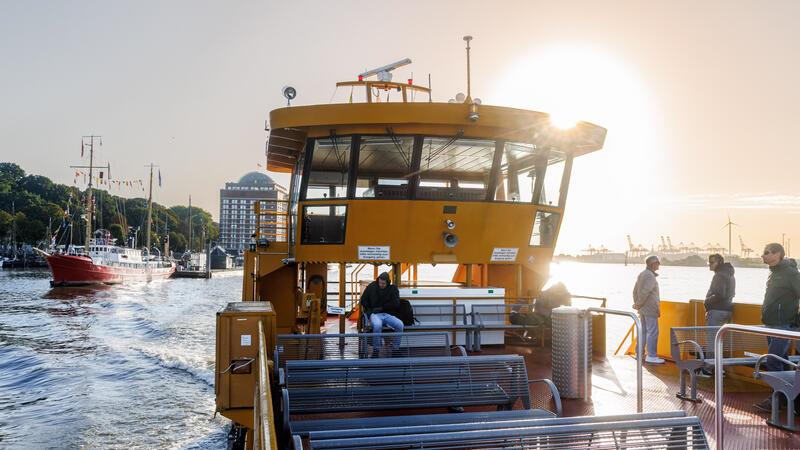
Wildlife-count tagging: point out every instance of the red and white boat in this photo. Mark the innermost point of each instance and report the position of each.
(105, 263)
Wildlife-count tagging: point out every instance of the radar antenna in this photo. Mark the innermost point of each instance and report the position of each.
(384, 73)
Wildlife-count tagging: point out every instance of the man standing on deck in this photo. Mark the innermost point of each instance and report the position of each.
(780, 307)
(647, 301)
(378, 301)
(719, 299)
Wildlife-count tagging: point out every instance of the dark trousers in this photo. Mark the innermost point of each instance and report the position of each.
(778, 346)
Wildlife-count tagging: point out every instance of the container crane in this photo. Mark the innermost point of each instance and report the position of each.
(746, 251)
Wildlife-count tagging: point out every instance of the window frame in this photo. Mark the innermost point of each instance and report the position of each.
(492, 182)
(302, 215)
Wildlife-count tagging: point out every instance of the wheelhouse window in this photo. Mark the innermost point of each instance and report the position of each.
(454, 168)
(521, 166)
(551, 189)
(330, 162)
(544, 229)
(324, 224)
(384, 166)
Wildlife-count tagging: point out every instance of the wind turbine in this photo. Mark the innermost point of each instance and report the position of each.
(730, 226)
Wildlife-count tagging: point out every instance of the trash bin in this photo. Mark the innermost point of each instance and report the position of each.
(572, 352)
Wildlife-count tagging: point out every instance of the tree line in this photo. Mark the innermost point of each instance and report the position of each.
(32, 205)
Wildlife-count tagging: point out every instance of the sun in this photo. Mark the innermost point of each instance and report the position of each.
(583, 82)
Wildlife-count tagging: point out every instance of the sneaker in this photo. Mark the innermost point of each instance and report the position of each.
(654, 360)
(705, 373)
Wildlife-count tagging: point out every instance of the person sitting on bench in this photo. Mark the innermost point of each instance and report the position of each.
(378, 301)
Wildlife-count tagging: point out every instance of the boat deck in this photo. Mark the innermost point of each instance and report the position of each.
(614, 392)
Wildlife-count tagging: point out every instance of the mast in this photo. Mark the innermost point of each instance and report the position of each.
(190, 223)
(149, 212)
(89, 198)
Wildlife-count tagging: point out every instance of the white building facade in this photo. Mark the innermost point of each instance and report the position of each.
(237, 219)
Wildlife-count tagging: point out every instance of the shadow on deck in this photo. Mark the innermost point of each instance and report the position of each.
(614, 392)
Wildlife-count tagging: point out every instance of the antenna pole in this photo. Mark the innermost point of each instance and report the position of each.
(469, 91)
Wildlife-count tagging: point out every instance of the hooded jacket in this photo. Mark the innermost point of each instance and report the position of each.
(722, 290)
(782, 294)
(646, 297)
(374, 299)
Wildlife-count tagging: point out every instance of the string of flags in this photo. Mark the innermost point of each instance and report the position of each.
(101, 180)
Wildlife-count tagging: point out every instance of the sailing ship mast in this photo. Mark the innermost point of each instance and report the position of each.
(190, 223)
(89, 141)
(149, 211)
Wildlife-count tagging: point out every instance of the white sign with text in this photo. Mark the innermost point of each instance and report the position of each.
(504, 254)
(374, 252)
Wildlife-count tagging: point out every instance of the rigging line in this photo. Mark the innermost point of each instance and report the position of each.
(398, 146)
(444, 146)
(335, 88)
(339, 158)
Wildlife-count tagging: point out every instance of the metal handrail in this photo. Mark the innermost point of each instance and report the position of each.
(266, 421)
(718, 379)
(639, 346)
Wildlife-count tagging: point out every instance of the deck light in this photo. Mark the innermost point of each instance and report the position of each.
(290, 93)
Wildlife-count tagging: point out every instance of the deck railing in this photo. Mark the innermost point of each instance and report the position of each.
(272, 220)
(637, 324)
(718, 369)
(263, 415)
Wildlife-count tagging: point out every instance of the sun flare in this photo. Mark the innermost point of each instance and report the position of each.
(582, 83)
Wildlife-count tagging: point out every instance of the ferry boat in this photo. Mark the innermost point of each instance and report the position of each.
(391, 178)
(105, 263)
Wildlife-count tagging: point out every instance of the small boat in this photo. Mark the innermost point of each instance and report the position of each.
(106, 263)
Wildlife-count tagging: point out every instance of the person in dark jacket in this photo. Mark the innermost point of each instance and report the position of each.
(378, 301)
(780, 307)
(719, 299)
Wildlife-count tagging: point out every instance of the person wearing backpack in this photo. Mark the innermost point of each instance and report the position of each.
(379, 302)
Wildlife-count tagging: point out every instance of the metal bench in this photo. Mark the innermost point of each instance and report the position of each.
(499, 421)
(363, 426)
(437, 317)
(319, 387)
(444, 317)
(498, 317)
(641, 431)
(291, 347)
(786, 382)
(692, 350)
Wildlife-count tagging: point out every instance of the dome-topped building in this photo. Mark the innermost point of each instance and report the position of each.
(237, 220)
(256, 179)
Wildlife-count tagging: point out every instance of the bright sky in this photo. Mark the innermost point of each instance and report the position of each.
(699, 98)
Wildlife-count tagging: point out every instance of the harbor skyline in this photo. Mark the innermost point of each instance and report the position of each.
(698, 106)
